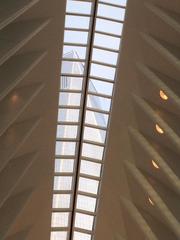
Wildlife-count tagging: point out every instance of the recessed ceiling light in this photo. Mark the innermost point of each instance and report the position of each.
(14, 98)
(150, 201)
(163, 95)
(155, 164)
(159, 129)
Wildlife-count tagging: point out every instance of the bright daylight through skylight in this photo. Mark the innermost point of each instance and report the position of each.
(92, 39)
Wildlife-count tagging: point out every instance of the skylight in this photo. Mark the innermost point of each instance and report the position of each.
(90, 53)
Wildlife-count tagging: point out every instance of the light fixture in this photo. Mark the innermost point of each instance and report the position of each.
(159, 129)
(163, 95)
(155, 164)
(14, 98)
(150, 201)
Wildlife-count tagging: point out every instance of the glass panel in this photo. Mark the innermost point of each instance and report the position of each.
(84, 221)
(77, 22)
(86, 203)
(117, 2)
(65, 148)
(74, 52)
(97, 119)
(81, 236)
(66, 131)
(69, 67)
(64, 165)
(68, 115)
(61, 200)
(90, 168)
(109, 26)
(98, 70)
(78, 7)
(88, 185)
(104, 56)
(100, 103)
(62, 183)
(105, 41)
(111, 12)
(100, 87)
(59, 219)
(75, 37)
(71, 83)
(92, 151)
(69, 99)
(93, 134)
(58, 235)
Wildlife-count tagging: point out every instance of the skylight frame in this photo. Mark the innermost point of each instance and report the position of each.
(83, 109)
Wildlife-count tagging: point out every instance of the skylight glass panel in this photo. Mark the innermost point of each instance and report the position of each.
(55, 235)
(92, 151)
(77, 22)
(104, 56)
(108, 26)
(59, 219)
(68, 115)
(75, 52)
(69, 67)
(65, 148)
(84, 221)
(97, 119)
(62, 183)
(111, 12)
(88, 185)
(75, 37)
(61, 200)
(81, 236)
(95, 135)
(100, 87)
(64, 165)
(102, 71)
(66, 131)
(71, 83)
(106, 41)
(78, 7)
(90, 168)
(86, 203)
(72, 99)
(100, 103)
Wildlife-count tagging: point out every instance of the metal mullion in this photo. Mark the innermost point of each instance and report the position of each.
(95, 126)
(97, 110)
(108, 34)
(112, 4)
(84, 175)
(93, 143)
(60, 229)
(110, 19)
(85, 212)
(88, 194)
(84, 97)
(61, 210)
(101, 79)
(79, 14)
(64, 174)
(70, 91)
(104, 64)
(76, 29)
(81, 230)
(72, 75)
(73, 60)
(106, 49)
(92, 160)
(65, 156)
(75, 44)
(70, 192)
(100, 95)
(68, 123)
(68, 107)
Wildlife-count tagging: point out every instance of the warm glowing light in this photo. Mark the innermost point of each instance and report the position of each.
(155, 164)
(163, 95)
(159, 129)
(150, 201)
(14, 98)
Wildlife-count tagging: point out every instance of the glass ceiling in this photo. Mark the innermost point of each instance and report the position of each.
(92, 38)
